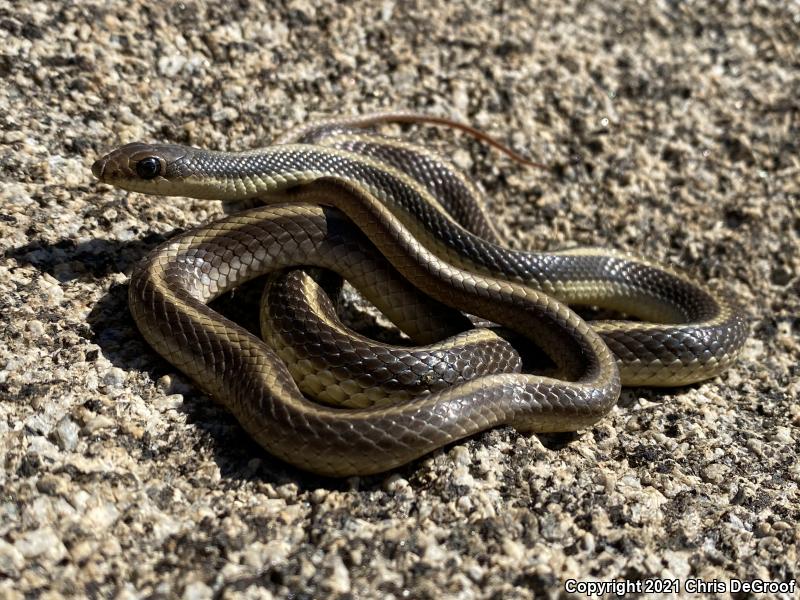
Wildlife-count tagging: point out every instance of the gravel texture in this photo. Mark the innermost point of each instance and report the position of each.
(673, 131)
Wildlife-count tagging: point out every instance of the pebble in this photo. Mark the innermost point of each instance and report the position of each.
(39, 542)
(66, 434)
(101, 517)
(114, 377)
(11, 559)
(338, 581)
(197, 590)
(98, 423)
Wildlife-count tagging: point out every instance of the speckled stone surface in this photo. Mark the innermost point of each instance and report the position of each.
(673, 132)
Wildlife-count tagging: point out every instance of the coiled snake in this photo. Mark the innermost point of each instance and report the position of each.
(395, 220)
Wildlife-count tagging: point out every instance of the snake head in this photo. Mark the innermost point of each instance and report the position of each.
(148, 168)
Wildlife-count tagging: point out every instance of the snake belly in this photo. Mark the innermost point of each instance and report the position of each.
(686, 333)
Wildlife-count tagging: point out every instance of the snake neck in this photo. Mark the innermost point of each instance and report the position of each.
(232, 176)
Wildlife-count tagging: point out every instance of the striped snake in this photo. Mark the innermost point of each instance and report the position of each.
(407, 229)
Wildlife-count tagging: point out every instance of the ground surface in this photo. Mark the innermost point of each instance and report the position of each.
(673, 130)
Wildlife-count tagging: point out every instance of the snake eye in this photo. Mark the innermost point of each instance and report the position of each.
(148, 167)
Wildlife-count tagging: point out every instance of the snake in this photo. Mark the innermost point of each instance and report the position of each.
(410, 232)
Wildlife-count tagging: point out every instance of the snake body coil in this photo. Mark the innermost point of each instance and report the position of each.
(350, 201)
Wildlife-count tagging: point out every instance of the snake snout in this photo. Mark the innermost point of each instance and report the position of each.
(99, 167)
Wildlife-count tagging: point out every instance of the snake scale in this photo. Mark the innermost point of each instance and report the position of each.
(408, 230)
